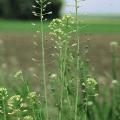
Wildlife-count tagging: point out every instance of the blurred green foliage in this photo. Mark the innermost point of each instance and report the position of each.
(22, 9)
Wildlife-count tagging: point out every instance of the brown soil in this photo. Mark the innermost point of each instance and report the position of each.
(17, 51)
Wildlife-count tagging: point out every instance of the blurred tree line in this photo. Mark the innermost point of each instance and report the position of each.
(22, 9)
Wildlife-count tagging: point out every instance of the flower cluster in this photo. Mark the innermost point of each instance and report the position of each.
(32, 96)
(17, 106)
(3, 93)
(90, 86)
(61, 29)
(114, 44)
(15, 101)
(18, 74)
(3, 99)
(28, 117)
(91, 82)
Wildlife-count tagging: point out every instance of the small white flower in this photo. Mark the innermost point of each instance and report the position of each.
(114, 82)
(33, 24)
(53, 76)
(89, 103)
(114, 43)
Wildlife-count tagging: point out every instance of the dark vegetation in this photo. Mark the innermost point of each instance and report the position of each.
(22, 9)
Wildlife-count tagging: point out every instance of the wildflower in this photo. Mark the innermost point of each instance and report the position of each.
(28, 117)
(33, 24)
(34, 60)
(49, 12)
(114, 82)
(15, 102)
(49, 3)
(37, 31)
(53, 76)
(90, 86)
(75, 44)
(114, 44)
(23, 105)
(37, 1)
(33, 12)
(18, 74)
(3, 93)
(89, 103)
(91, 82)
(33, 6)
(83, 84)
(96, 95)
(68, 17)
(1, 112)
(61, 29)
(32, 96)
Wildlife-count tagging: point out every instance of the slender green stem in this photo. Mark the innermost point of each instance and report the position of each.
(34, 112)
(86, 107)
(18, 115)
(64, 70)
(78, 58)
(63, 67)
(40, 111)
(61, 104)
(26, 83)
(114, 64)
(4, 109)
(28, 90)
(114, 77)
(43, 61)
(61, 78)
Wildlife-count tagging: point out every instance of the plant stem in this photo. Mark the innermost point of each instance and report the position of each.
(114, 64)
(64, 70)
(86, 107)
(43, 61)
(4, 109)
(78, 58)
(114, 77)
(34, 115)
(63, 67)
(61, 78)
(26, 83)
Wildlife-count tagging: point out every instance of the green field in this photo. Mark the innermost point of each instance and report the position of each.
(87, 25)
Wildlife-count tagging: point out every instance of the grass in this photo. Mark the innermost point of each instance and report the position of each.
(92, 25)
(20, 26)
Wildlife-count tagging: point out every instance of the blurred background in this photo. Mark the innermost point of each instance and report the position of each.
(22, 9)
(99, 23)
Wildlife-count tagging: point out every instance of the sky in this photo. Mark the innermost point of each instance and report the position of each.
(96, 7)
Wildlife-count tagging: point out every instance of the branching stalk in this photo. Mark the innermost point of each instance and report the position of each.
(43, 60)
